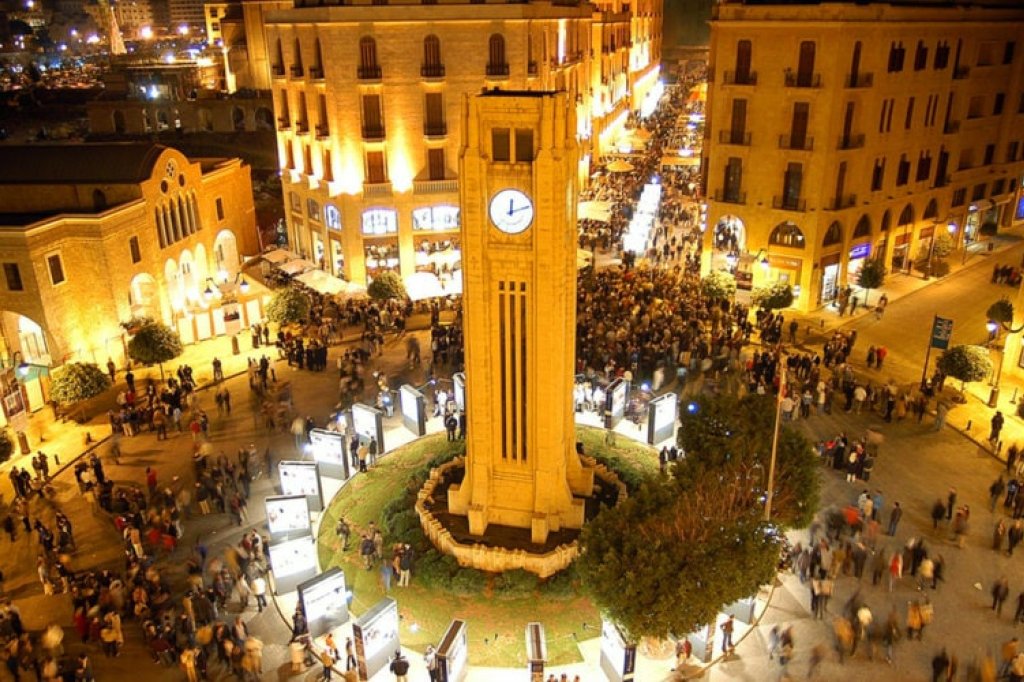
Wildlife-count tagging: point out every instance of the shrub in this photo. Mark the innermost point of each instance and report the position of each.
(468, 582)
(565, 583)
(386, 285)
(718, 284)
(517, 584)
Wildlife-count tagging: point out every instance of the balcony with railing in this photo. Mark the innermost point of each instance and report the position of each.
(284, 123)
(860, 80)
(377, 190)
(841, 202)
(296, 70)
(316, 73)
(531, 69)
(497, 70)
(322, 132)
(737, 137)
(787, 204)
(801, 143)
(734, 78)
(794, 79)
(851, 142)
(730, 196)
(301, 127)
(369, 73)
(961, 72)
(429, 71)
(435, 186)
(372, 133)
(434, 129)
(277, 70)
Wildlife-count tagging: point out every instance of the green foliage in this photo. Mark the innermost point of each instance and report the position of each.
(386, 285)
(6, 446)
(288, 305)
(136, 322)
(516, 584)
(988, 228)
(1001, 311)
(73, 382)
(772, 297)
(871, 276)
(565, 583)
(468, 582)
(154, 344)
(966, 363)
(628, 473)
(942, 244)
(718, 284)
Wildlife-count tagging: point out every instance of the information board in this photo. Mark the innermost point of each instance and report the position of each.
(301, 478)
(368, 422)
(661, 418)
(453, 653)
(292, 562)
(375, 635)
(618, 657)
(287, 515)
(414, 409)
(617, 394)
(325, 601)
(330, 453)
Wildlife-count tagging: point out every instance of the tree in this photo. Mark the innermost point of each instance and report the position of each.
(718, 284)
(966, 363)
(871, 276)
(154, 344)
(386, 285)
(1002, 312)
(931, 261)
(667, 559)
(773, 296)
(75, 382)
(287, 306)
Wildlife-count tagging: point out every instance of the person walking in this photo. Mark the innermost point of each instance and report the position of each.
(1008, 652)
(727, 629)
(894, 518)
(1000, 591)
(997, 426)
(400, 667)
(940, 665)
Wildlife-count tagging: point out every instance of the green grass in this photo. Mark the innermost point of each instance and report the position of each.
(496, 617)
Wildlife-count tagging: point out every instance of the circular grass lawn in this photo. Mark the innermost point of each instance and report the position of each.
(495, 608)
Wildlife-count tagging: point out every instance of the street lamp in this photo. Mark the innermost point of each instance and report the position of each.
(214, 290)
(993, 340)
(775, 446)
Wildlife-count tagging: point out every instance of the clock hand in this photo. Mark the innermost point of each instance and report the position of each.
(510, 206)
(521, 208)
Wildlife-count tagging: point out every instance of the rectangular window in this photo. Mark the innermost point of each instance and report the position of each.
(878, 175)
(733, 179)
(924, 166)
(986, 54)
(897, 53)
(978, 192)
(920, 56)
(373, 121)
(990, 154)
(941, 55)
(798, 126)
(376, 170)
(56, 269)
(1008, 51)
(960, 197)
(435, 163)
(1011, 151)
(13, 275)
(910, 114)
(501, 144)
(434, 114)
(998, 103)
(792, 185)
(220, 208)
(524, 145)
(998, 187)
(903, 171)
(976, 107)
(133, 246)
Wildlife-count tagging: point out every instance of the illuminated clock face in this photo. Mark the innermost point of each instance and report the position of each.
(511, 211)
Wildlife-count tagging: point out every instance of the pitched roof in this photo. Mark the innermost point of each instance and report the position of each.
(99, 163)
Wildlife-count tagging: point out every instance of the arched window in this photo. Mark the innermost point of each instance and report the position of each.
(906, 215)
(931, 211)
(496, 65)
(863, 228)
(787, 234)
(886, 221)
(834, 234)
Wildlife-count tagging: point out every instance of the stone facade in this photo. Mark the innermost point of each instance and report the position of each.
(838, 132)
(96, 234)
(372, 183)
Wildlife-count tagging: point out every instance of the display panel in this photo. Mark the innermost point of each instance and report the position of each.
(661, 418)
(301, 478)
(368, 423)
(618, 657)
(413, 407)
(376, 637)
(292, 562)
(325, 601)
(617, 393)
(287, 515)
(453, 653)
(330, 453)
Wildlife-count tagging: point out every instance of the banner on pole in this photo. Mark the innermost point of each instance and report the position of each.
(942, 329)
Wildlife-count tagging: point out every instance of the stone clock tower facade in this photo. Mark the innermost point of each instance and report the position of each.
(517, 170)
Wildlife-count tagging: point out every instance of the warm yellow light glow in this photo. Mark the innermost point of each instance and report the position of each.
(399, 163)
(561, 40)
(350, 178)
(146, 33)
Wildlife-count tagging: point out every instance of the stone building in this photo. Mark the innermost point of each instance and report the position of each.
(839, 132)
(367, 100)
(95, 234)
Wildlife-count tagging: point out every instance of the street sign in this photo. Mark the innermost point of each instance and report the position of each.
(942, 329)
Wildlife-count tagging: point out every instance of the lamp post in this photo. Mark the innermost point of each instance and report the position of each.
(993, 341)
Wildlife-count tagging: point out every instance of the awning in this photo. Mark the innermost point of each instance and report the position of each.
(683, 161)
(294, 267)
(980, 205)
(279, 256)
(422, 285)
(619, 166)
(594, 210)
(322, 282)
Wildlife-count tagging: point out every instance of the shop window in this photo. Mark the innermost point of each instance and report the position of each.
(13, 277)
(379, 221)
(333, 216)
(133, 247)
(55, 266)
(787, 234)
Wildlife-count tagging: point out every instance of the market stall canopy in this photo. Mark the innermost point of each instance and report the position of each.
(620, 166)
(322, 282)
(683, 161)
(297, 266)
(278, 256)
(583, 258)
(594, 210)
(422, 285)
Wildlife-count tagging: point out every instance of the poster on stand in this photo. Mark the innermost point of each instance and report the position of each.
(536, 651)
(375, 635)
(302, 478)
(459, 379)
(453, 653)
(368, 422)
(414, 409)
(324, 600)
(287, 516)
(330, 453)
(618, 657)
(661, 418)
(292, 562)
(615, 408)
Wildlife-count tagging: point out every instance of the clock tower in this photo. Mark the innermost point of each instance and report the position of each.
(517, 171)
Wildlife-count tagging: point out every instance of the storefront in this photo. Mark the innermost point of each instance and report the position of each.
(925, 238)
(380, 240)
(979, 213)
(435, 218)
(785, 270)
(337, 257)
(901, 251)
(439, 255)
(829, 289)
(855, 261)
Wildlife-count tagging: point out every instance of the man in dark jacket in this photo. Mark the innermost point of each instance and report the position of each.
(400, 667)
